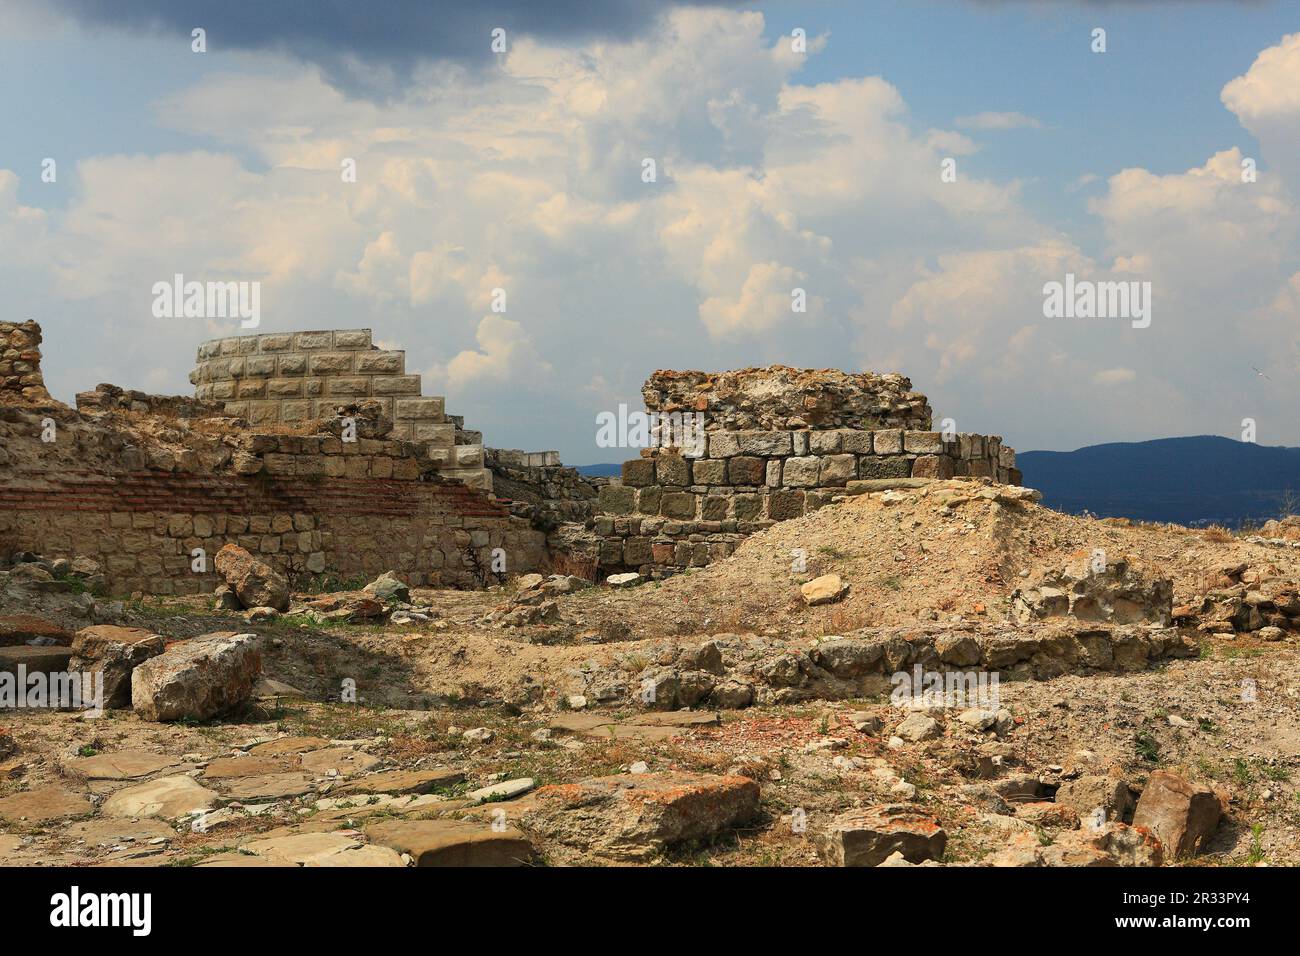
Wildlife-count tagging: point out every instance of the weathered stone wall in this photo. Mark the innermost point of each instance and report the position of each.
(823, 434)
(676, 511)
(513, 458)
(20, 363)
(309, 504)
(106, 397)
(143, 528)
(541, 489)
(292, 378)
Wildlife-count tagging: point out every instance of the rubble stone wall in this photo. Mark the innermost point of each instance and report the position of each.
(780, 397)
(20, 363)
(540, 488)
(308, 504)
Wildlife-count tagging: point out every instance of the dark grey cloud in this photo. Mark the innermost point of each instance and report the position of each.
(373, 47)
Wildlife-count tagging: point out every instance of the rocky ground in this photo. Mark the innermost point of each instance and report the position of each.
(716, 718)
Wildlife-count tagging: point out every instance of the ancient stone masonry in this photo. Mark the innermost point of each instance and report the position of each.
(824, 434)
(108, 397)
(291, 378)
(540, 488)
(139, 482)
(20, 363)
(779, 398)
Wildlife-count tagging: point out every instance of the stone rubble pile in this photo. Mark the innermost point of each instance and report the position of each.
(1118, 593)
(733, 671)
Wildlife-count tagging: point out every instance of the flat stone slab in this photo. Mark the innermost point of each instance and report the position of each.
(109, 831)
(123, 765)
(168, 798)
(505, 790)
(16, 629)
(578, 723)
(655, 725)
(402, 781)
(289, 745)
(677, 718)
(224, 768)
(322, 849)
(631, 817)
(633, 731)
(42, 804)
(453, 842)
(270, 786)
(364, 805)
(345, 760)
(36, 660)
(237, 860)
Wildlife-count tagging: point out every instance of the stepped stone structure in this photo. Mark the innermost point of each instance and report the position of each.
(291, 378)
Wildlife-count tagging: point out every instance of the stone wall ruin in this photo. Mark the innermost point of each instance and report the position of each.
(777, 443)
(257, 458)
(138, 482)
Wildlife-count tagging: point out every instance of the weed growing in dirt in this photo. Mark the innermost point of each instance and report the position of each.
(1146, 747)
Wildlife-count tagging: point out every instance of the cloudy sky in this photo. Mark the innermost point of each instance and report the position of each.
(776, 169)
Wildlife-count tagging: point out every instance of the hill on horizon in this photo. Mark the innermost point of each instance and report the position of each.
(1196, 480)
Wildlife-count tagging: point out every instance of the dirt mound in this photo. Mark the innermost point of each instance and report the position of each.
(950, 549)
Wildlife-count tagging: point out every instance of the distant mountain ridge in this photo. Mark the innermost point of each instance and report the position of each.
(1198, 480)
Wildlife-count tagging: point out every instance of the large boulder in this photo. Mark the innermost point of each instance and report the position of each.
(867, 837)
(826, 589)
(453, 842)
(632, 817)
(1182, 815)
(114, 653)
(1097, 798)
(1119, 593)
(1112, 844)
(389, 588)
(197, 679)
(254, 582)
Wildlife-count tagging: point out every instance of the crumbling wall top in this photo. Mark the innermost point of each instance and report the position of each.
(777, 397)
(21, 381)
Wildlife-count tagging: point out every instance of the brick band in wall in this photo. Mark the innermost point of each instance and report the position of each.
(143, 527)
(200, 494)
